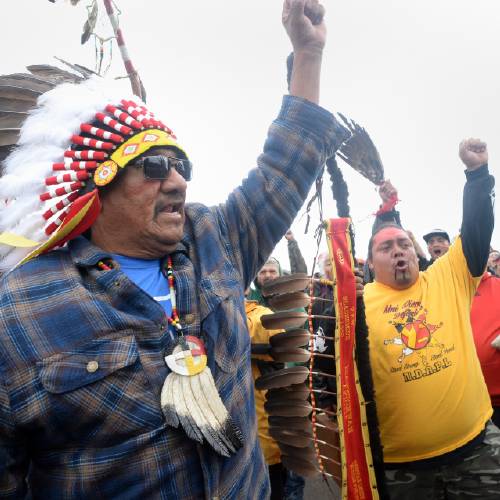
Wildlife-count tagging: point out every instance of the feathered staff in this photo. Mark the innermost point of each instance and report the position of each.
(343, 443)
(88, 30)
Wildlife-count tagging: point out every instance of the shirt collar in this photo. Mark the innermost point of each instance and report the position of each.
(85, 254)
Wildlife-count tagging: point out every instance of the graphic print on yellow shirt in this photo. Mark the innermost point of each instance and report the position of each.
(422, 354)
(430, 391)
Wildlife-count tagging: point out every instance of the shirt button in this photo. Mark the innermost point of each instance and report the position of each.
(188, 319)
(92, 366)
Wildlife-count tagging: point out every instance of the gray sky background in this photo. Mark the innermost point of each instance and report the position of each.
(419, 76)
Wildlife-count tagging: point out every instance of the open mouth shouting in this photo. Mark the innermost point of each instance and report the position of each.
(402, 270)
(437, 252)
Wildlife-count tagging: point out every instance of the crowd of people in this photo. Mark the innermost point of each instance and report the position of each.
(434, 334)
(130, 333)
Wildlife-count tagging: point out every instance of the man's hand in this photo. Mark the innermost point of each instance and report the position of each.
(418, 248)
(474, 153)
(303, 21)
(387, 191)
(360, 284)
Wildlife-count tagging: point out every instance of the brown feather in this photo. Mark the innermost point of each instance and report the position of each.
(288, 319)
(292, 338)
(90, 23)
(282, 378)
(9, 136)
(284, 396)
(306, 453)
(82, 71)
(360, 153)
(283, 320)
(301, 467)
(290, 283)
(299, 423)
(329, 433)
(302, 388)
(328, 442)
(288, 409)
(11, 119)
(293, 300)
(19, 92)
(289, 354)
(290, 300)
(299, 439)
(53, 74)
(27, 81)
(16, 105)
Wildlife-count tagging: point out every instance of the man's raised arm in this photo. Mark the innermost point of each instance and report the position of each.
(477, 218)
(300, 140)
(303, 21)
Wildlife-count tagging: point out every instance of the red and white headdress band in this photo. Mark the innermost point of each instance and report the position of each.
(78, 134)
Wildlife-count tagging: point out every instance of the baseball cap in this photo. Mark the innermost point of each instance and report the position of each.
(436, 232)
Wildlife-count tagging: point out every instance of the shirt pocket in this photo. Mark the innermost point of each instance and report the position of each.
(87, 364)
(98, 392)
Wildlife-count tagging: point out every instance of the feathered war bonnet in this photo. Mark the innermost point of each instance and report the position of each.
(59, 143)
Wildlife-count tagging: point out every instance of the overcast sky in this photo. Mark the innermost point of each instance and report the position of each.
(418, 75)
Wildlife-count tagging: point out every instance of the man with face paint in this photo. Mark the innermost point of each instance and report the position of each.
(432, 402)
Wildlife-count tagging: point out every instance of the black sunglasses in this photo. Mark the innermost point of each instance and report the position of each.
(157, 168)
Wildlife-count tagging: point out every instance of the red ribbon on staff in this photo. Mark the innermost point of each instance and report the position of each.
(358, 477)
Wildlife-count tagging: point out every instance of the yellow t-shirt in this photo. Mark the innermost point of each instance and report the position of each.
(259, 335)
(430, 391)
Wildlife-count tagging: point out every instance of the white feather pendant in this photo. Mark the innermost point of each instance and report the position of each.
(216, 428)
(183, 407)
(189, 397)
(210, 427)
(167, 403)
(209, 389)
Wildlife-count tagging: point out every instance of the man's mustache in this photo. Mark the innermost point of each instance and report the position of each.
(176, 199)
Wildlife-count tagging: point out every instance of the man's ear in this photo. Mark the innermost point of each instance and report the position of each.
(370, 264)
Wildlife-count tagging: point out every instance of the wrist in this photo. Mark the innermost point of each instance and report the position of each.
(311, 52)
(471, 168)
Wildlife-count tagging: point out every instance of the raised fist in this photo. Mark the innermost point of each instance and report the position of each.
(474, 153)
(303, 21)
(387, 191)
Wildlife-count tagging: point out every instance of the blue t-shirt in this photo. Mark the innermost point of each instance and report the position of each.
(147, 275)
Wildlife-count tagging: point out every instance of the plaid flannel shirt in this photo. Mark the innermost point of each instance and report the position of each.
(82, 349)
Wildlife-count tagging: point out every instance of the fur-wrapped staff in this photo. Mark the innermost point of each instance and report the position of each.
(355, 378)
(135, 81)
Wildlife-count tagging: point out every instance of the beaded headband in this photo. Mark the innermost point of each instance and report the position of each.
(106, 141)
